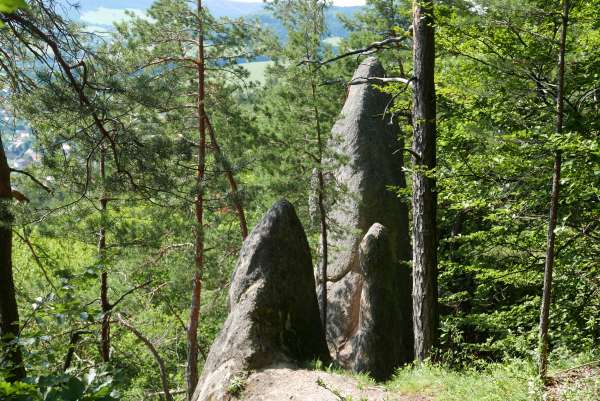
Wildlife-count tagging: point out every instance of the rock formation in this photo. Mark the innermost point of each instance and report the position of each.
(274, 315)
(368, 161)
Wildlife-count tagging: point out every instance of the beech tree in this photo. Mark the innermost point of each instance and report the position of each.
(554, 197)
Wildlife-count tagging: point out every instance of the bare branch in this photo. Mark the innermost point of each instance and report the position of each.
(161, 364)
(38, 262)
(381, 80)
(41, 184)
(122, 297)
(383, 44)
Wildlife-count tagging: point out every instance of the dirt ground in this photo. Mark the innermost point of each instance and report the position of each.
(282, 384)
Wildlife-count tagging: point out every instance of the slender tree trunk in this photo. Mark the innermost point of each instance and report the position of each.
(9, 313)
(317, 9)
(104, 303)
(424, 198)
(192, 335)
(549, 265)
(321, 200)
(324, 247)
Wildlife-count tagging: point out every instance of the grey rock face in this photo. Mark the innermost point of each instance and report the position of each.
(274, 315)
(368, 161)
(378, 343)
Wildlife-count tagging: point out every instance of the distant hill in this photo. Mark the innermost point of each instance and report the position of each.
(334, 26)
(100, 12)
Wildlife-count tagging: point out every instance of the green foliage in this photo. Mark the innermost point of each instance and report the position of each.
(10, 6)
(62, 387)
(236, 386)
(496, 68)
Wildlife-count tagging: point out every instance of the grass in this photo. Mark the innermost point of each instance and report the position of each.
(575, 378)
(511, 381)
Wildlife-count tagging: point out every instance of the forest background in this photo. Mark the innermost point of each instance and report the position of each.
(107, 231)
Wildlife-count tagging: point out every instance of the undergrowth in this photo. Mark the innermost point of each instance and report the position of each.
(513, 380)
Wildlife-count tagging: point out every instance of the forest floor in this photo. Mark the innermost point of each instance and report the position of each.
(512, 381)
(575, 383)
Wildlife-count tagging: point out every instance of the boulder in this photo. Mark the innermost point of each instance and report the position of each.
(367, 162)
(274, 315)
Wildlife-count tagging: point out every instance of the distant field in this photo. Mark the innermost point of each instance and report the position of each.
(257, 70)
(334, 41)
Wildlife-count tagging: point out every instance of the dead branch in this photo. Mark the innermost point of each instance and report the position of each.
(230, 178)
(379, 80)
(383, 44)
(161, 364)
(32, 177)
(36, 258)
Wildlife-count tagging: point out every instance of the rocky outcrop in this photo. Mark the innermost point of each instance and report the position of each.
(274, 315)
(378, 343)
(368, 162)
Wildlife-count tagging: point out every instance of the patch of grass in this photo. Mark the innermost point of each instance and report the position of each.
(577, 378)
(512, 381)
(363, 379)
(237, 385)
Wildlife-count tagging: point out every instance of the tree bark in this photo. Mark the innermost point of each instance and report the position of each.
(424, 197)
(104, 303)
(554, 198)
(191, 372)
(9, 313)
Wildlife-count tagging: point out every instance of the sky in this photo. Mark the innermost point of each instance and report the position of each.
(341, 3)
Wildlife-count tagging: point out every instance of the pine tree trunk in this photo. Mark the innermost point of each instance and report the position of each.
(324, 248)
(321, 200)
(9, 313)
(549, 264)
(424, 198)
(104, 303)
(192, 335)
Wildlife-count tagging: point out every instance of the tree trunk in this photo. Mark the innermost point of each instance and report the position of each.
(549, 264)
(424, 198)
(9, 313)
(192, 335)
(321, 200)
(104, 303)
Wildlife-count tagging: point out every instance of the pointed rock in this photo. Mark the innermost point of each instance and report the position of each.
(274, 315)
(378, 343)
(368, 162)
